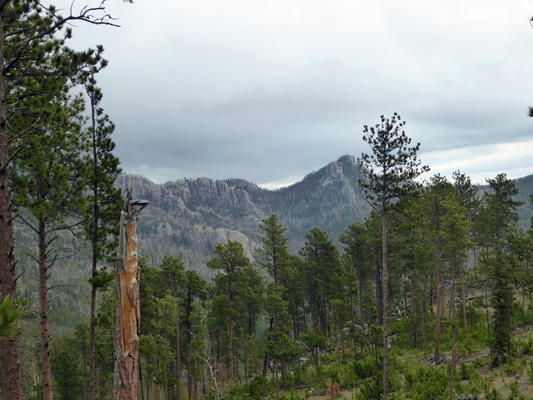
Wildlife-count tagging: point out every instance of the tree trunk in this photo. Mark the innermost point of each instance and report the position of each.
(424, 316)
(413, 310)
(230, 351)
(379, 292)
(439, 303)
(126, 374)
(385, 308)
(487, 314)
(267, 356)
(92, 339)
(9, 348)
(361, 297)
(178, 350)
(454, 330)
(463, 294)
(45, 326)
(189, 366)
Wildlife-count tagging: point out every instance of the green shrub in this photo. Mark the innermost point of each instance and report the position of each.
(477, 384)
(464, 372)
(427, 383)
(511, 367)
(259, 387)
(493, 395)
(290, 395)
(477, 363)
(364, 368)
(514, 387)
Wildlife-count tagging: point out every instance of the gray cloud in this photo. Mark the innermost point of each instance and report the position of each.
(271, 91)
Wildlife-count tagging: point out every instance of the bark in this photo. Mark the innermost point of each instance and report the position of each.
(439, 303)
(361, 297)
(189, 366)
(92, 340)
(267, 356)
(230, 351)
(178, 351)
(45, 327)
(9, 348)
(413, 310)
(424, 316)
(385, 308)
(463, 295)
(379, 291)
(454, 333)
(487, 315)
(126, 374)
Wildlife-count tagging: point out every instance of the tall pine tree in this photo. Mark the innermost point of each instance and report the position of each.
(388, 174)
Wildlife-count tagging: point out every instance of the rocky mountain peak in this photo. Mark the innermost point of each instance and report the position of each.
(189, 217)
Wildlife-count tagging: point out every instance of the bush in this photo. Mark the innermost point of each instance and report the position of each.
(529, 371)
(511, 367)
(259, 387)
(427, 383)
(363, 369)
(514, 387)
(464, 372)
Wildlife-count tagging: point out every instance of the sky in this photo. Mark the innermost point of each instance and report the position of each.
(269, 91)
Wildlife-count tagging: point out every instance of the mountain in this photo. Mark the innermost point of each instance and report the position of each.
(189, 217)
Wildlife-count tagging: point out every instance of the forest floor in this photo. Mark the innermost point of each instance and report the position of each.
(500, 378)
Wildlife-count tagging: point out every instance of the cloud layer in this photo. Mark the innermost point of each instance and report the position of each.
(269, 91)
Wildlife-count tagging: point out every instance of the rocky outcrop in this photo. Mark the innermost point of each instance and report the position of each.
(189, 217)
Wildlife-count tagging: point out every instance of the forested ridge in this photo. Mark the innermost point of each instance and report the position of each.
(362, 281)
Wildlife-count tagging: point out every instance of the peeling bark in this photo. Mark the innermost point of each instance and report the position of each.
(127, 371)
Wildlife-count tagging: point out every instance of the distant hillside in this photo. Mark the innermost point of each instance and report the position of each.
(525, 187)
(189, 217)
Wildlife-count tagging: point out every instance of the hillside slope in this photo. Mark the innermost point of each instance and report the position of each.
(189, 217)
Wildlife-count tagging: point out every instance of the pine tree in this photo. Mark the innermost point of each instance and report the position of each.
(322, 276)
(230, 261)
(468, 198)
(49, 183)
(274, 258)
(496, 216)
(435, 196)
(25, 28)
(389, 173)
(173, 271)
(103, 206)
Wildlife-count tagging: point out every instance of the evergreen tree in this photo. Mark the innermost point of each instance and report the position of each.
(229, 261)
(389, 173)
(27, 34)
(195, 289)
(356, 255)
(274, 258)
(322, 276)
(496, 217)
(49, 184)
(173, 273)
(468, 199)
(275, 248)
(103, 205)
(436, 194)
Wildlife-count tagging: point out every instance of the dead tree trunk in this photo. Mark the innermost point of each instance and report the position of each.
(127, 368)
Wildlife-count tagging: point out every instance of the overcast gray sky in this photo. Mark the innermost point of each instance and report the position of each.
(271, 90)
